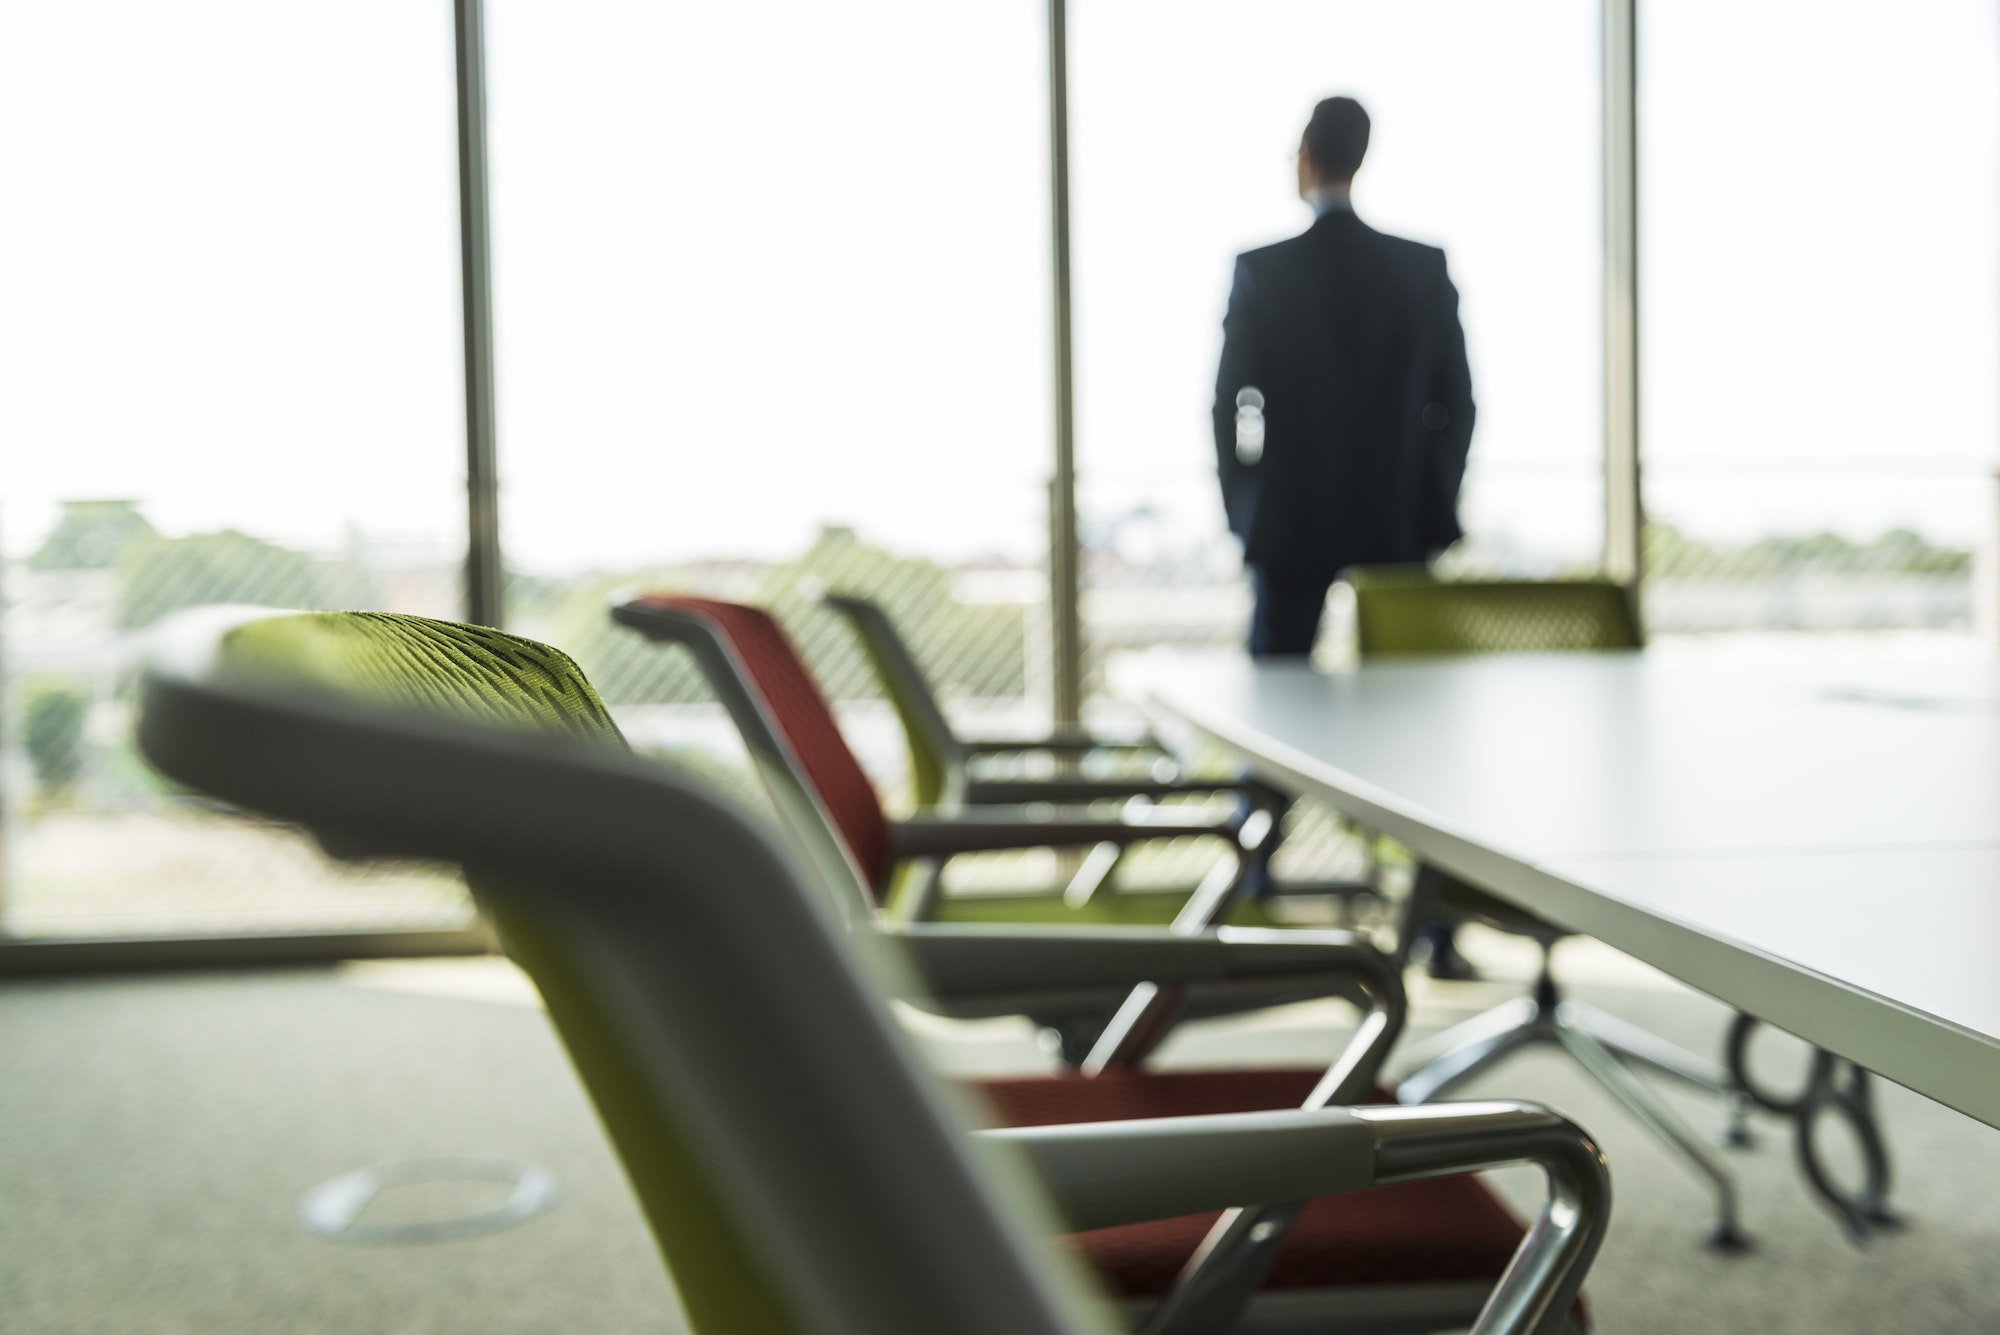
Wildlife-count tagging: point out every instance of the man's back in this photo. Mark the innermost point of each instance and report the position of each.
(1351, 338)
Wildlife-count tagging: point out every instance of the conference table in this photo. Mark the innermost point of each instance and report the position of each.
(1813, 839)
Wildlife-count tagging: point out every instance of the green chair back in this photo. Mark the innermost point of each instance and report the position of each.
(764, 1104)
(1409, 611)
(489, 677)
(414, 663)
(937, 760)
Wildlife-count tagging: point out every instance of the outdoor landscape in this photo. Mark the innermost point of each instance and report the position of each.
(96, 843)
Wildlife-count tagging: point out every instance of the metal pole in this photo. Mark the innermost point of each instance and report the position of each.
(483, 592)
(1065, 599)
(6, 708)
(1623, 508)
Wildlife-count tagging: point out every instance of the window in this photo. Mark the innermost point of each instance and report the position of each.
(1820, 327)
(228, 373)
(1186, 118)
(771, 296)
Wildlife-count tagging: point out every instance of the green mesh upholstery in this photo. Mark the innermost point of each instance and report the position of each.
(482, 674)
(472, 672)
(1400, 611)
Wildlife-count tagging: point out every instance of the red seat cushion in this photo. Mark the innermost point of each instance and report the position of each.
(1440, 1229)
(795, 707)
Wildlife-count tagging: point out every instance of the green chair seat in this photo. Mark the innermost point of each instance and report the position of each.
(1126, 908)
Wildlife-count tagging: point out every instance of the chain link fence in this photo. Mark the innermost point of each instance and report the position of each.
(1809, 583)
(99, 845)
(979, 631)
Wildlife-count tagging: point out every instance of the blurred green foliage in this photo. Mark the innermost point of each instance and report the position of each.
(91, 535)
(54, 714)
(970, 649)
(1672, 554)
(161, 575)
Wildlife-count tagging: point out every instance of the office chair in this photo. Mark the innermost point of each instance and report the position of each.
(942, 763)
(799, 1169)
(791, 730)
(796, 745)
(1407, 612)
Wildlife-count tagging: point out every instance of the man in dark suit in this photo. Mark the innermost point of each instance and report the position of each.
(1343, 413)
(1343, 407)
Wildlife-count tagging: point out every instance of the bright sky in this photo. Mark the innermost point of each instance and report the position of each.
(761, 266)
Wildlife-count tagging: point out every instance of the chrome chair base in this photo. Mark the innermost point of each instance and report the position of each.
(1604, 1046)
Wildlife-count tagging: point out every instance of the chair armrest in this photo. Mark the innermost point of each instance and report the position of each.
(1064, 741)
(979, 963)
(1016, 791)
(1001, 969)
(1109, 1173)
(1103, 1174)
(988, 831)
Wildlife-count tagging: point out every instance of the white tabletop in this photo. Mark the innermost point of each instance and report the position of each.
(1813, 840)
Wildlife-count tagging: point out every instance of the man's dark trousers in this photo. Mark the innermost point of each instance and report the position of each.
(1283, 624)
(1285, 619)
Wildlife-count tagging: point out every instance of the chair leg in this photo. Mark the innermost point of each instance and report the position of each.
(1513, 1013)
(1499, 1032)
(1599, 1061)
(1069, 1040)
(1090, 877)
(1214, 899)
(1635, 1044)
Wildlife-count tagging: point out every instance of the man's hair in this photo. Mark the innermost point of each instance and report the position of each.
(1336, 138)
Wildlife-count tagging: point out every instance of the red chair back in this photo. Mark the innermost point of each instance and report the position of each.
(792, 702)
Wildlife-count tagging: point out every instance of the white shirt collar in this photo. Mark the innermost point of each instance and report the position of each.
(1330, 197)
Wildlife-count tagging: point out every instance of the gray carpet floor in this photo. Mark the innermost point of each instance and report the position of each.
(156, 1134)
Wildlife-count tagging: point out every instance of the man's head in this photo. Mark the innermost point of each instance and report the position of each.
(1335, 141)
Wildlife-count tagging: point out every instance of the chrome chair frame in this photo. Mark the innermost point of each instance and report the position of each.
(932, 835)
(936, 745)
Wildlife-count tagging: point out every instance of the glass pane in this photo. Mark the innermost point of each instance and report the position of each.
(1187, 117)
(1821, 325)
(228, 373)
(771, 322)
(1485, 142)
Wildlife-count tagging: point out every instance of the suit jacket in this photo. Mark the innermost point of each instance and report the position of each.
(1352, 337)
